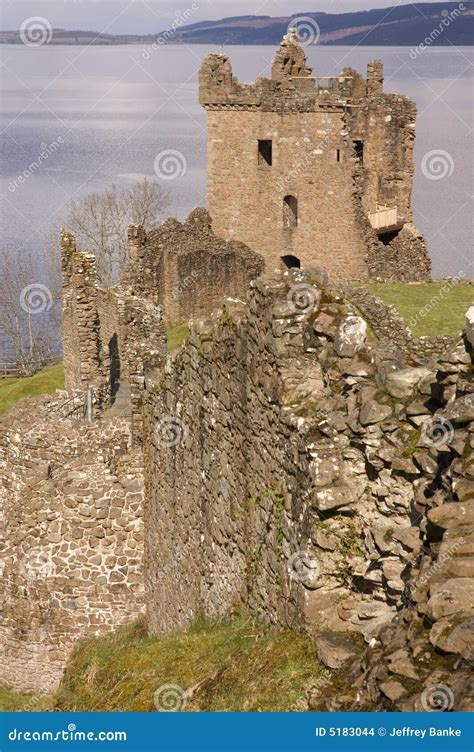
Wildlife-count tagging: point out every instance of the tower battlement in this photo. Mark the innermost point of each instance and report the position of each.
(292, 86)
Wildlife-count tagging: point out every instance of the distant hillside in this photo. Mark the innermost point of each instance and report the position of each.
(443, 23)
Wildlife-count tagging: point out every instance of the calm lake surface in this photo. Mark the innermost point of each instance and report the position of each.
(112, 111)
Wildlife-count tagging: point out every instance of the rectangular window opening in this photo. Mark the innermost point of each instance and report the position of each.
(359, 151)
(264, 152)
(338, 155)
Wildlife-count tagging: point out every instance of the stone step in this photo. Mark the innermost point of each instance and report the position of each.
(121, 406)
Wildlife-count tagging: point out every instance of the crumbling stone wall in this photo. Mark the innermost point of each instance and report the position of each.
(340, 146)
(291, 466)
(108, 334)
(384, 319)
(80, 323)
(72, 537)
(186, 268)
(405, 258)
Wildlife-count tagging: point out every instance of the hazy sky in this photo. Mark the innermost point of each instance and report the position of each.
(148, 16)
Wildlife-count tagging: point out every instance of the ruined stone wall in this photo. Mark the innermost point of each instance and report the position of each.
(386, 125)
(385, 321)
(108, 334)
(80, 324)
(404, 258)
(289, 465)
(72, 537)
(340, 147)
(186, 268)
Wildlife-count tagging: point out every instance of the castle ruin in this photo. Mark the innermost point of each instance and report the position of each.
(313, 171)
(280, 458)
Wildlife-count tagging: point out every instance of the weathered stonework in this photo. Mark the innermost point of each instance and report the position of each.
(174, 272)
(72, 537)
(302, 471)
(339, 148)
(109, 335)
(186, 268)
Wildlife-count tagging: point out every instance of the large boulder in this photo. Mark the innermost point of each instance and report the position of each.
(461, 410)
(453, 514)
(336, 649)
(401, 383)
(450, 597)
(351, 336)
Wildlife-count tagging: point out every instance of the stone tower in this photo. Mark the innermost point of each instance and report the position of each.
(313, 171)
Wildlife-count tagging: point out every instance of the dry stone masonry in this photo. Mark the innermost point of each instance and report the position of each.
(318, 479)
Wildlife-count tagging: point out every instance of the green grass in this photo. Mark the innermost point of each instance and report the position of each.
(44, 382)
(176, 336)
(238, 664)
(12, 701)
(429, 309)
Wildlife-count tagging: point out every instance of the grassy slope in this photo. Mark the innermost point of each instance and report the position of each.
(11, 701)
(44, 382)
(437, 307)
(176, 336)
(242, 666)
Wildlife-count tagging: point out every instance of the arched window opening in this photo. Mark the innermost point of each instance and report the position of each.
(291, 262)
(290, 211)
